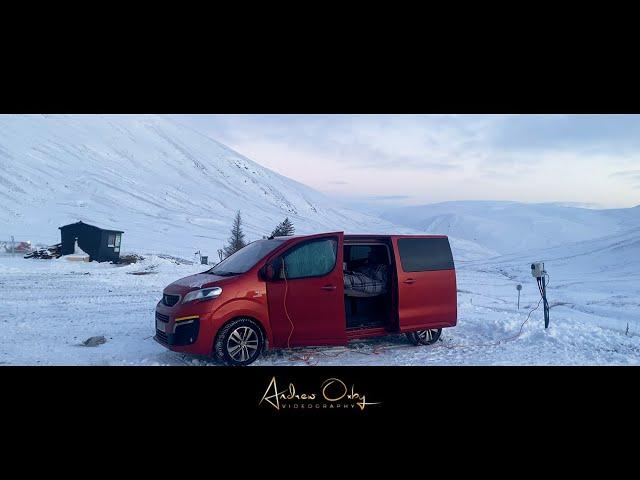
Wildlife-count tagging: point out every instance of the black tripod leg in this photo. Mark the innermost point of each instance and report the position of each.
(546, 304)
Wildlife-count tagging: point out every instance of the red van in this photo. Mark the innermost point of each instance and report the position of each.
(312, 290)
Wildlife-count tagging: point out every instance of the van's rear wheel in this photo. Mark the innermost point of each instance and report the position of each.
(425, 337)
(240, 342)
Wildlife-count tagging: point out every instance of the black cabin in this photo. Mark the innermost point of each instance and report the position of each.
(101, 245)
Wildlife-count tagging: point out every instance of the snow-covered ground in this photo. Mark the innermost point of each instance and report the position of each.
(50, 306)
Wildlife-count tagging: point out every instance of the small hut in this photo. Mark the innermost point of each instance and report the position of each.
(100, 244)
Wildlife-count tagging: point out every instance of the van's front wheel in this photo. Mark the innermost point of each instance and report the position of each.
(240, 342)
(425, 337)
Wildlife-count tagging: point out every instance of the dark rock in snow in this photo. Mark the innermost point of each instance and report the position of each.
(94, 341)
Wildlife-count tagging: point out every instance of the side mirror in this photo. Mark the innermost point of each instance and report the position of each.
(271, 271)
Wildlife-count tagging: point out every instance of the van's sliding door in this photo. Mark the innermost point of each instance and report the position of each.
(427, 292)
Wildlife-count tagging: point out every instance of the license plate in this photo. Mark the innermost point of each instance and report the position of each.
(161, 326)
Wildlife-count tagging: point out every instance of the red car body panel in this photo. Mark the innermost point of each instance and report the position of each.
(245, 295)
(426, 299)
(315, 306)
(315, 303)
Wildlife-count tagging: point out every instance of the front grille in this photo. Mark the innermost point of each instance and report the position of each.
(170, 300)
(162, 318)
(162, 337)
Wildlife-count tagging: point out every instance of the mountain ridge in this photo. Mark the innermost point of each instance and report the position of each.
(168, 186)
(509, 226)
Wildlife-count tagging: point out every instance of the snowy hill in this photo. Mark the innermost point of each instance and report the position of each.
(506, 227)
(598, 280)
(171, 189)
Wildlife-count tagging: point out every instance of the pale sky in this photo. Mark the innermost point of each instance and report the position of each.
(419, 159)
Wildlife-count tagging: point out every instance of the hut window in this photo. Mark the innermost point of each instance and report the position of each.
(118, 236)
(112, 240)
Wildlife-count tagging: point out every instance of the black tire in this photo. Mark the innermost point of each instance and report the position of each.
(425, 337)
(235, 342)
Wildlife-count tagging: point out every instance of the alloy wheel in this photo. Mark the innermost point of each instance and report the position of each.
(425, 337)
(242, 344)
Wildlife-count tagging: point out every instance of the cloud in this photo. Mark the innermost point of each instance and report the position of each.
(629, 177)
(626, 174)
(389, 197)
(408, 142)
(613, 134)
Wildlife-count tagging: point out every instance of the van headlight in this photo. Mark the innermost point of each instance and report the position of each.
(202, 294)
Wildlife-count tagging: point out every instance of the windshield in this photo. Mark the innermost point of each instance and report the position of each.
(245, 258)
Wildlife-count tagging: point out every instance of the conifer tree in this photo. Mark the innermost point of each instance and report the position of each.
(284, 229)
(236, 240)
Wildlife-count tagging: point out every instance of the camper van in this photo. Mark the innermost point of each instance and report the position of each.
(311, 290)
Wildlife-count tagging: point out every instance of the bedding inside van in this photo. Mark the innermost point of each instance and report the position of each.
(367, 281)
(367, 285)
(366, 272)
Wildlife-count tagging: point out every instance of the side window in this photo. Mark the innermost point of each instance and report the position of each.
(111, 241)
(311, 259)
(375, 253)
(359, 252)
(425, 254)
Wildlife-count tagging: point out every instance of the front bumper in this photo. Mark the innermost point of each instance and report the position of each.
(181, 331)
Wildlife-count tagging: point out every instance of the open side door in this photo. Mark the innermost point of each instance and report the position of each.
(306, 300)
(427, 291)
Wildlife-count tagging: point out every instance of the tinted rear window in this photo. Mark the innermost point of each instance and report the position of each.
(425, 254)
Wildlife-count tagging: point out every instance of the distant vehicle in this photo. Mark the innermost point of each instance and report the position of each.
(312, 290)
(18, 247)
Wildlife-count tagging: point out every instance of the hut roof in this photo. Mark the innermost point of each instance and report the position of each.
(93, 226)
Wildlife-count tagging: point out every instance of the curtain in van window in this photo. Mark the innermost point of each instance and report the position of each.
(312, 259)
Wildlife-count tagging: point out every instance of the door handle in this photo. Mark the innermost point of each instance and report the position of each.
(409, 281)
(328, 287)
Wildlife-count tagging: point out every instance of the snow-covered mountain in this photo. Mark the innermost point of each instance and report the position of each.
(506, 227)
(169, 187)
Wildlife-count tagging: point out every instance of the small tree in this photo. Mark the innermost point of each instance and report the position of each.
(236, 240)
(284, 229)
